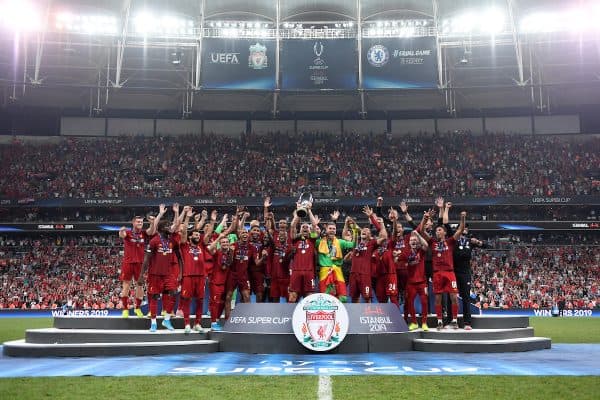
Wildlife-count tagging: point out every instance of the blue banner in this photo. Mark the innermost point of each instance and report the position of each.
(238, 64)
(399, 63)
(319, 64)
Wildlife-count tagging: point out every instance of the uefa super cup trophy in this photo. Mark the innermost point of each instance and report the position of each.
(304, 202)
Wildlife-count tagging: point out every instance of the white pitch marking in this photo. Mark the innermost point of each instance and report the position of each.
(325, 392)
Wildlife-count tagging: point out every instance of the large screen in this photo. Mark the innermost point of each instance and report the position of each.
(309, 64)
(238, 64)
(399, 63)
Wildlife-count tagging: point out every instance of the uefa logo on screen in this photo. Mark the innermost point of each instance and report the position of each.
(378, 55)
(320, 322)
(258, 56)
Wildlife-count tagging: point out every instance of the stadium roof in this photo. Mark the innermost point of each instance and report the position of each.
(78, 72)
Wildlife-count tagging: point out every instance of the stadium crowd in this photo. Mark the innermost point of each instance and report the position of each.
(45, 272)
(348, 165)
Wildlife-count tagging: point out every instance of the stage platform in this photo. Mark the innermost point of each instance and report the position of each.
(266, 329)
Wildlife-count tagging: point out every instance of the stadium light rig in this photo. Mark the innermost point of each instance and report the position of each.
(488, 22)
(147, 24)
(240, 29)
(578, 20)
(87, 24)
(399, 28)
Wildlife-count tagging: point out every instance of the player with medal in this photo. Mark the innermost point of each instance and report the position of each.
(302, 265)
(193, 280)
(134, 244)
(444, 279)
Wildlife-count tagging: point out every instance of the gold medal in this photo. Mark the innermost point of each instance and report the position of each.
(303, 252)
(195, 258)
(439, 254)
(280, 260)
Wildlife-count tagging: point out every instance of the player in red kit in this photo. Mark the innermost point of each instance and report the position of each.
(302, 265)
(258, 261)
(193, 280)
(360, 272)
(398, 245)
(223, 260)
(444, 279)
(416, 284)
(135, 242)
(162, 253)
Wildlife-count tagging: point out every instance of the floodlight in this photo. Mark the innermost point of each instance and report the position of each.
(20, 15)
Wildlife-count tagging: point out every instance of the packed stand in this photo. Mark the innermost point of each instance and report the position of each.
(346, 165)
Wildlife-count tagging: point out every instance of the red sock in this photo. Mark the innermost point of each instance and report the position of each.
(185, 307)
(438, 311)
(424, 308)
(138, 303)
(168, 302)
(454, 310)
(125, 301)
(153, 307)
(199, 309)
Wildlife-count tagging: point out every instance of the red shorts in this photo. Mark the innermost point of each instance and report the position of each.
(302, 282)
(217, 293)
(444, 282)
(158, 284)
(401, 278)
(360, 284)
(193, 287)
(237, 282)
(386, 287)
(279, 287)
(257, 281)
(130, 271)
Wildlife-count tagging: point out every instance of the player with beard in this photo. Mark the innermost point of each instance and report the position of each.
(302, 266)
(134, 244)
(242, 252)
(462, 265)
(397, 245)
(257, 263)
(162, 253)
(360, 272)
(330, 252)
(416, 280)
(280, 254)
(223, 261)
(192, 284)
(444, 279)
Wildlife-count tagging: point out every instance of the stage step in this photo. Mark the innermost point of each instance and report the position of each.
(482, 346)
(19, 348)
(476, 334)
(115, 323)
(488, 321)
(54, 335)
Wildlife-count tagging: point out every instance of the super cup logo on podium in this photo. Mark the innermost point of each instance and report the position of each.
(320, 322)
(304, 202)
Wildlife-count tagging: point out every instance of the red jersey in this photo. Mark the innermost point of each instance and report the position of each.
(193, 259)
(402, 246)
(162, 255)
(361, 257)
(385, 260)
(304, 257)
(242, 252)
(280, 260)
(221, 268)
(416, 266)
(134, 246)
(255, 251)
(441, 254)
